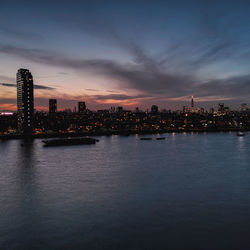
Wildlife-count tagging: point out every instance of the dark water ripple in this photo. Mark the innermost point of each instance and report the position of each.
(191, 191)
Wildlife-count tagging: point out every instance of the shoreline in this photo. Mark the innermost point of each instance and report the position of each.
(121, 133)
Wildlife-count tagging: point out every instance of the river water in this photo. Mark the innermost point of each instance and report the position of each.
(190, 191)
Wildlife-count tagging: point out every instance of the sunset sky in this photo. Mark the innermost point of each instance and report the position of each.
(129, 53)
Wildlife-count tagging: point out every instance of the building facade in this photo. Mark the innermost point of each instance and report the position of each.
(81, 107)
(52, 106)
(25, 102)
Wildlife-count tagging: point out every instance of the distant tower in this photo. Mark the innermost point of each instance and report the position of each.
(81, 107)
(192, 102)
(119, 109)
(52, 106)
(25, 102)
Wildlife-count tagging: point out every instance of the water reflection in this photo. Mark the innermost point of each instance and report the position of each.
(28, 206)
(241, 143)
(26, 171)
(26, 153)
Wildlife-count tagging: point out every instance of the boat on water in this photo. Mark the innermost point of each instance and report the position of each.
(160, 138)
(146, 139)
(240, 133)
(69, 141)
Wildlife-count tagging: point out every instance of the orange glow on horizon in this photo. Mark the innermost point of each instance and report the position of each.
(7, 106)
(118, 102)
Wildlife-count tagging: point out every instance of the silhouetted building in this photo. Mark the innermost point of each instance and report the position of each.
(154, 109)
(221, 107)
(211, 110)
(67, 110)
(112, 110)
(201, 110)
(52, 106)
(81, 107)
(119, 109)
(25, 101)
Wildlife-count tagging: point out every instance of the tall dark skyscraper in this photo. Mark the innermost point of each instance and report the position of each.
(154, 109)
(25, 101)
(52, 106)
(81, 107)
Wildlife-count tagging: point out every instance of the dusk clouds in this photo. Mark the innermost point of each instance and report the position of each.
(199, 49)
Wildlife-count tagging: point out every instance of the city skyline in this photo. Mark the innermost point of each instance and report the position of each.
(51, 105)
(127, 54)
(26, 123)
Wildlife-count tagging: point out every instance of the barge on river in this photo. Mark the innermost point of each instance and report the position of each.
(69, 141)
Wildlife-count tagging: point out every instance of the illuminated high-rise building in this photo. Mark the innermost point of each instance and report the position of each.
(52, 106)
(81, 107)
(25, 101)
(192, 102)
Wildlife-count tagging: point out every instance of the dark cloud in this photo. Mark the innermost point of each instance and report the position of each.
(131, 75)
(17, 34)
(111, 91)
(8, 84)
(43, 87)
(214, 40)
(150, 80)
(108, 33)
(233, 87)
(94, 90)
(119, 97)
(35, 86)
(213, 52)
(194, 38)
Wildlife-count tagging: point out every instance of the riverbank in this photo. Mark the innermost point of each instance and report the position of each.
(121, 133)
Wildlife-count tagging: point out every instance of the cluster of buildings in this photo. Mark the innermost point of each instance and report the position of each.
(53, 107)
(25, 103)
(115, 120)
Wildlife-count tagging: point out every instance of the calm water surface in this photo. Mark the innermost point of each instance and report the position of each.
(191, 191)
